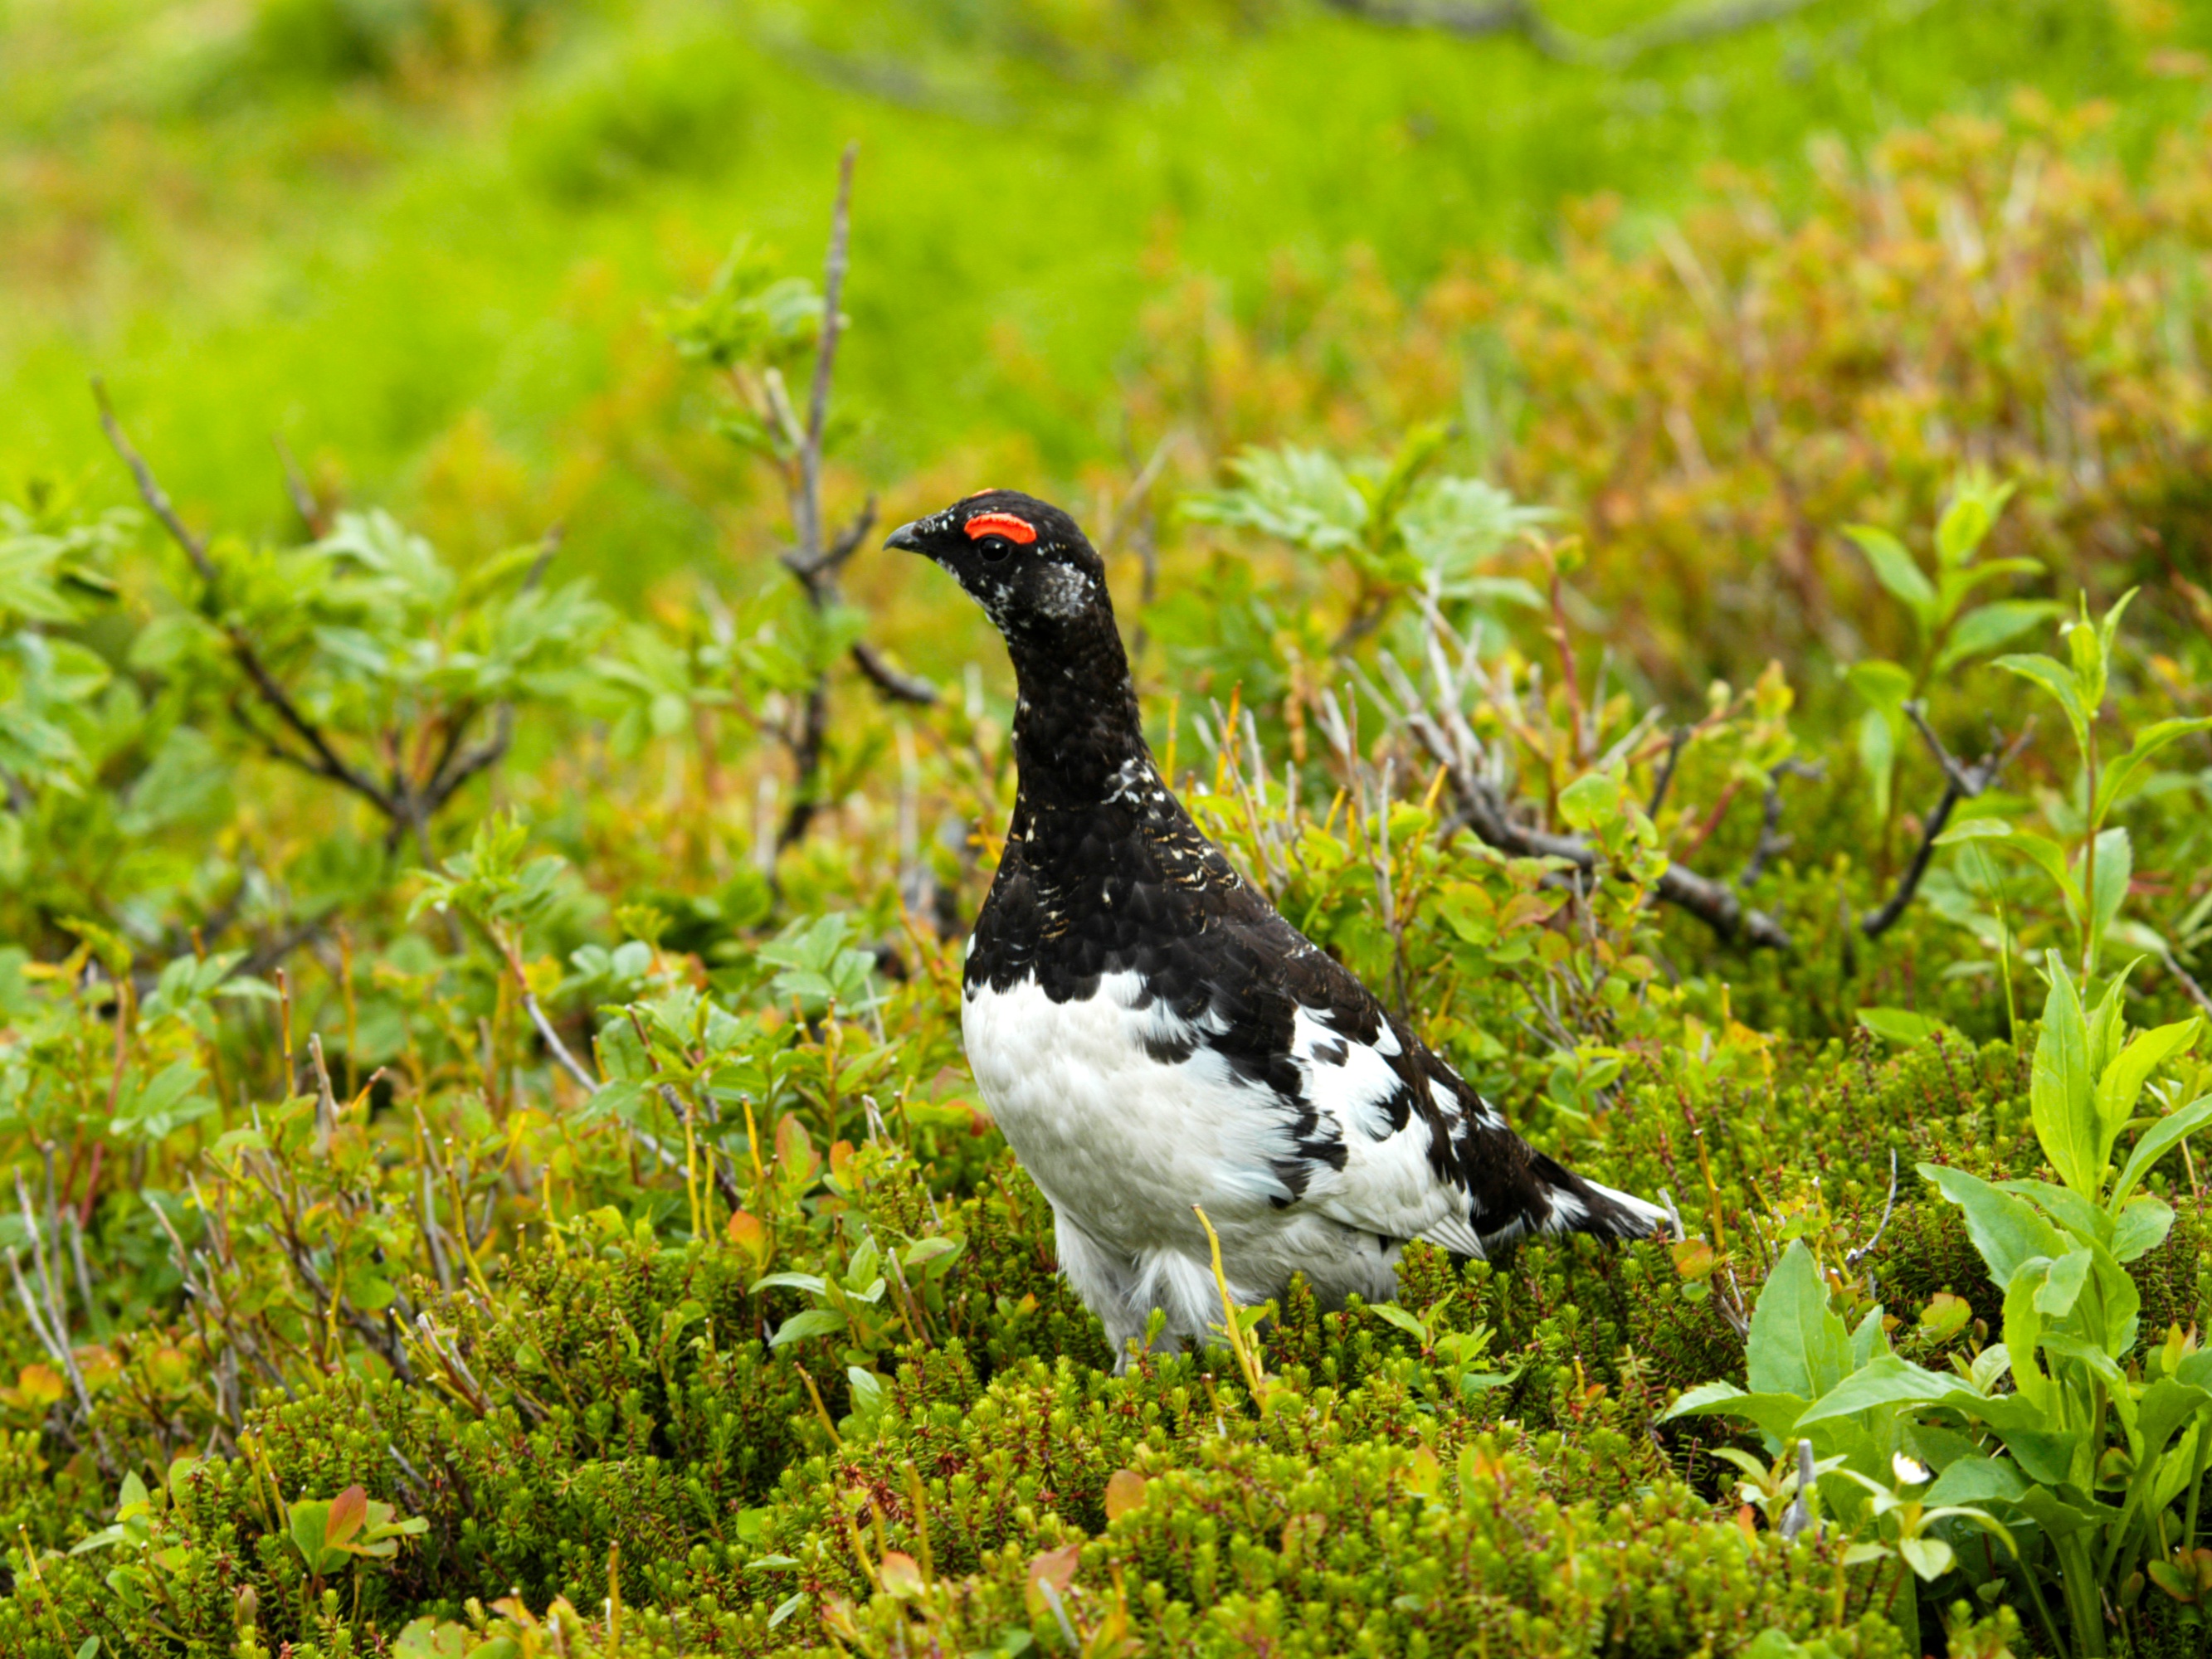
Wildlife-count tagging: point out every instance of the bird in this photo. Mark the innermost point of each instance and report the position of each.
(1156, 1041)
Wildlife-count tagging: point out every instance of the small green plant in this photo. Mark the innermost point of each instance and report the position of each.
(1948, 630)
(2091, 878)
(2096, 1467)
(1397, 529)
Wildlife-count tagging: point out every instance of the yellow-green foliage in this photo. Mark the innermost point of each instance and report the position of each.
(480, 1190)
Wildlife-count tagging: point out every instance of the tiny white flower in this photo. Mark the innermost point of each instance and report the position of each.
(1909, 1472)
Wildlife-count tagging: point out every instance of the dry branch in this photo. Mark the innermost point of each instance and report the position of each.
(1959, 783)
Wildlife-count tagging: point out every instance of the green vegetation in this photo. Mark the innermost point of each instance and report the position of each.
(491, 1168)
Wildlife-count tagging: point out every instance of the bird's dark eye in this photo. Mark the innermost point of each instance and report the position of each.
(995, 548)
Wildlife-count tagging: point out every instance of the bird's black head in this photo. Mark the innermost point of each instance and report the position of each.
(1025, 561)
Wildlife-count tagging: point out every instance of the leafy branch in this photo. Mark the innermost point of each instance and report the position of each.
(398, 587)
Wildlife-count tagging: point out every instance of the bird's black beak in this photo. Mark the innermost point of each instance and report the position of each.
(907, 538)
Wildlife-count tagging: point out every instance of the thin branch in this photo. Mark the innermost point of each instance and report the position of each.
(1484, 811)
(825, 357)
(894, 683)
(1677, 740)
(328, 762)
(1959, 783)
(567, 1062)
(1851, 1258)
(1772, 839)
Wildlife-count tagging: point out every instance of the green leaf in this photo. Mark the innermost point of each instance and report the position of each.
(2158, 1140)
(2122, 1084)
(2061, 1094)
(1878, 755)
(1986, 627)
(2006, 1230)
(1775, 1415)
(2046, 854)
(1896, 1025)
(2167, 1405)
(1896, 570)
(2062, 1285)
(2115, 867)
(1973, 507)
(1929, 1558)
(1977, 1479)
(1798, 1344)
(2023, 1334)
(1391, 1313)
(2119, 777)
(2058, 679)
(2142, 1227)
(1885, 1380)
(815, 1321)
(1591, 800)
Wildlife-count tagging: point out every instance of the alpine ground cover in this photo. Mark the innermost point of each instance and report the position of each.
(492, 1167)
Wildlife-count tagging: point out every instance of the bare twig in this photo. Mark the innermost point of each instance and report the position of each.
(1677, 740)
(2187, 981)
(895, 683)
(1771, 841)
(1852, 1258)
(326, 760)
(834, 266)
(1482, 808)
(1959, 783)
(561, 1056)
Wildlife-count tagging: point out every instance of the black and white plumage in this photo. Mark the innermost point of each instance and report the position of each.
(1150, 1033)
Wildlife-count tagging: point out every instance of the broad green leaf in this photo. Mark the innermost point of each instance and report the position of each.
(1885, 1380)
(2006, 1230)
(2060, 1096)
(2158, 1140)
(1977, 1479)
(1390, 1313)
(1895, 570)
(1929, 1557)
(2107, 631)
(815, 1321)
(2115, 867)
(1884, 684)
(1591, 800)
(2166, 1407)
(2122, 1084)
(2056, 1516)
(1973, 507)
(2046, 854)
(1897, 1025)
(1798, 1344)
(2062, 1286)
(2108, 1023)
(2058, 679)
(2082, 1216)
(1878, 755)
(2120, 776)
(2023, 1335)
(1775, 1415)
(2142, 1227)
(1986, 627)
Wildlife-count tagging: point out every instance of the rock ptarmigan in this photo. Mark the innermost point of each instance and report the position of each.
(1151, 1033)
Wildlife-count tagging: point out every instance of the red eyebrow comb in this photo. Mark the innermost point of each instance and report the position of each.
(1001, 523)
